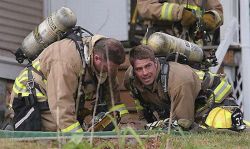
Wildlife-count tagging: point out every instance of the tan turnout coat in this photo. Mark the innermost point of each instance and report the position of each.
(61, 65)
(183, 88)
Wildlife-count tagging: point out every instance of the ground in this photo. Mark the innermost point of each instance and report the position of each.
(214, 139)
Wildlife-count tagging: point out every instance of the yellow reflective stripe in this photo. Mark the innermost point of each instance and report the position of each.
(23, 75)
(138, 105)
(19, 89)
(196, 8)
(20, 85)
(121, 108)
(36, 65)
(221, 96)
(39, 94)
(193, 7)
(166, 11)
(79, 130)
(201, 74)
(163, 10)
(123, 111)
(247, 123)
(23, 79)
(73, 128)
(16, 91)
(221, 90)
(25, 92)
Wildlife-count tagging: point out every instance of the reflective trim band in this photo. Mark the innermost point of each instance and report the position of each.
(24, 93)
(79, 130)
(247, 123)
(166, 11)
(24, 118)
(222, 90)
(201, 74)
(36, 65)
(76, 127)
(138, 105)
(22, 76)
(193, 7)
(39, 94)
(213, 74)
(196, 8)
(19, 85)
(23, 90)
(121, 108)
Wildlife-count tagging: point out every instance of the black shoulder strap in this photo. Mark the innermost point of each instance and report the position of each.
(79, 44)
(76, 36)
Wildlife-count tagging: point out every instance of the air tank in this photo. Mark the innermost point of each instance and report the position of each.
(163, 44)
(48, 32)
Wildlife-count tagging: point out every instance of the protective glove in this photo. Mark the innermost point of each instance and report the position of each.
(188, 18)
(209, 21)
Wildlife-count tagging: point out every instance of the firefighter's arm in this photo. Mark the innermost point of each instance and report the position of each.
(213, 16)
(153, 10)
(62, 83)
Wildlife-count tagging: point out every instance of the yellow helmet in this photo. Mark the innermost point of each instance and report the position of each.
(219, 118)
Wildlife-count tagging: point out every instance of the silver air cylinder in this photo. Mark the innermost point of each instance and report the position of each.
(163, 44)
(47, 32)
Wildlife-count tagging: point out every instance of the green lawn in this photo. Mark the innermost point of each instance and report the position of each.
(215, 139)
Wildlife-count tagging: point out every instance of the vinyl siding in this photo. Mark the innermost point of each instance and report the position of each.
(17, 19)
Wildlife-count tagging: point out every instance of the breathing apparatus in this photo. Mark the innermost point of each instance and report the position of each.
(50, 30)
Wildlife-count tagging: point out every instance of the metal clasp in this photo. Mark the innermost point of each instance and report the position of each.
(30, 85)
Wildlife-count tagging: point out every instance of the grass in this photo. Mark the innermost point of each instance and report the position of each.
(209, 140)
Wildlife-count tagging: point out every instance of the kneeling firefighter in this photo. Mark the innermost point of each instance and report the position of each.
(50, 93)
(215, 105)
(192, 95)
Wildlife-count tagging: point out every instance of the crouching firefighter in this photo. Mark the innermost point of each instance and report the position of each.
(49, 94)
(192, 96)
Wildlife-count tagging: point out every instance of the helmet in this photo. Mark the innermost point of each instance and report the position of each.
(219, 118)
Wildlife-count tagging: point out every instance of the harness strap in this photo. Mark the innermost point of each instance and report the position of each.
(80, 101)
(32, 86)
(147, 111)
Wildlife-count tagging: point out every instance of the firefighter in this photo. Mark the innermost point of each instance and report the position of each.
(64, 78)
(162, 86)
(186, 19)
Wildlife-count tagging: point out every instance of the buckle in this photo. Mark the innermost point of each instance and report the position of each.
(30, 84)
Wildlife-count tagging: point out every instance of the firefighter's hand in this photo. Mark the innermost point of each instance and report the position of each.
(208, 20)
(188, 18)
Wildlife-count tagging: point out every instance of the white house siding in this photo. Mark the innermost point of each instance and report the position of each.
(17, 19)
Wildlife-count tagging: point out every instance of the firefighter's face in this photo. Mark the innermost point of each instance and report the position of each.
(145, 71)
